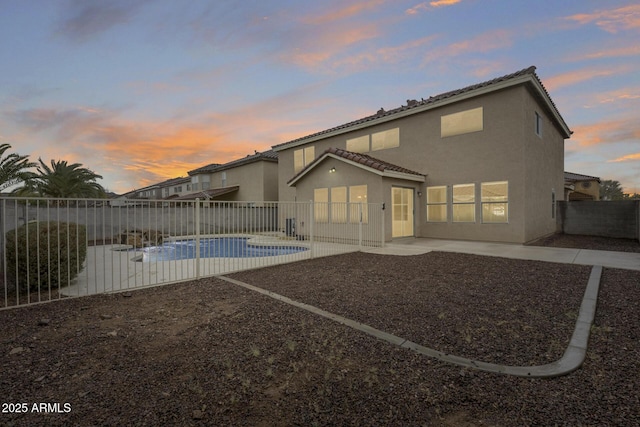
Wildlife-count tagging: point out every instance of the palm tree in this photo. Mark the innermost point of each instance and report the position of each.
(13, 168)
(64, 180)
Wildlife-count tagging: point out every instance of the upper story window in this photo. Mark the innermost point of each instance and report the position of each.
(538, 125)
(385, 139)
(302, 157)
(460, 123)
(358, 145)
(223, 178)
(205, 182)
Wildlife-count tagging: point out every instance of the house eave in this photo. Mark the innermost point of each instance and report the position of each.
(529, 78)
(385, 173)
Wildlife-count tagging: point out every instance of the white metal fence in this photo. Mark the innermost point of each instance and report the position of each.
(59, 248)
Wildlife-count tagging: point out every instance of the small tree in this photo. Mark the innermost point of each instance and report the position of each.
(611, 190)
(13, 168)
(45, 254)
(64, 180)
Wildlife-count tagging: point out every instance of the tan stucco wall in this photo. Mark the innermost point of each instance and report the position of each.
(378, 187)
(544, 171)
(507, 149)
(270, 181)
(592, 188)
(257, 181)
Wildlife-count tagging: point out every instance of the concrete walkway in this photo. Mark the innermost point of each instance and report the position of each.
(416, 246)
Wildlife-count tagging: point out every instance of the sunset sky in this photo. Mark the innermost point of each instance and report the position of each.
(141, 91)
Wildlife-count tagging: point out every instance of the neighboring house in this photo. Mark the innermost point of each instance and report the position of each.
(151, 192)
(581, 187)
(484, 162)
(175, 187)
(253, 178)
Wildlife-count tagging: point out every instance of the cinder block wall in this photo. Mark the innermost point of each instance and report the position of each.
(620, 219)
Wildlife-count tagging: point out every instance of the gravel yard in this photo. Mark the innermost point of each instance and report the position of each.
(212, 353)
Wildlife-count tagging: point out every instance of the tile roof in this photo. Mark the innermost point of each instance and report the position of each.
(268, 155)
(209, 194)
(414, 104)
(362, 159)
(570, 176)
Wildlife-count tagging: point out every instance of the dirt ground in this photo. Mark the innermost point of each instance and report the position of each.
(212, 353)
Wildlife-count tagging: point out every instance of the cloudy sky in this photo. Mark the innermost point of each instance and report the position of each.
(144, 90)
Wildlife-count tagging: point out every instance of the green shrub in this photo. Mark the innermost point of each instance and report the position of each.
(65, 245)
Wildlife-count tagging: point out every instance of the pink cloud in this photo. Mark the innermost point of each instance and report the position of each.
(429, 5)
(613, 20)
(440, 3)
(390, 55)
(606, 132)
(626, 158)
(319, 47)
(581, 75)
(485, 42)
(618, 52)
(346, 12)
(616, 96)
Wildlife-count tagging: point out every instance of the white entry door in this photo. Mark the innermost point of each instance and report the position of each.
(402, 212)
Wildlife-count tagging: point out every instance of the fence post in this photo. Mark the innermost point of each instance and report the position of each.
(311, 228)
(197, 248)
(383, 221)
(360, 226)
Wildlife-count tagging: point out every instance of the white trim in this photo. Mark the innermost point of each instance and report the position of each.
(385, 174)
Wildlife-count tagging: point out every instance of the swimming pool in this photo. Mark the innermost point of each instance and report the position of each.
(219, 247)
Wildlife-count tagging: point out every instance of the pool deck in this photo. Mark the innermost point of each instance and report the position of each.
(113, 268)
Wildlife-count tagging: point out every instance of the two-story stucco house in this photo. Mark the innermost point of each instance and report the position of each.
(484, 162)
(252, 179)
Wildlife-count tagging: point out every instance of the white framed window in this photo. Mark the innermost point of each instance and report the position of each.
(358, 203)
(302, 157)
(339, 204)
(538, 125)
(437, 204)
(358, 145)
(460, 123)
(321, 204)
(464, 203)
(205, 182)
(385, 139)
(495, 202)
(223, 179)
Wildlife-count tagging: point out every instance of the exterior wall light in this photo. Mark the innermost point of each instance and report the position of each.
(332, 170)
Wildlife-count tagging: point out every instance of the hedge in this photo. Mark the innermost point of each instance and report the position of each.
(56, 252)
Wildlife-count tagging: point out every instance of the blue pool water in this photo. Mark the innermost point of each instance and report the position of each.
(223, 247)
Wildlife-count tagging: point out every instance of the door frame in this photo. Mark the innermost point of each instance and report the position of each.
(412, 213)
